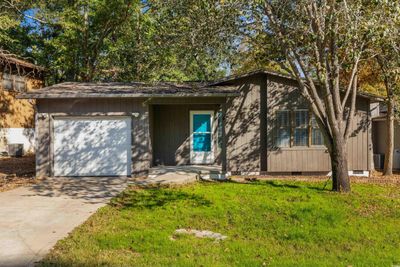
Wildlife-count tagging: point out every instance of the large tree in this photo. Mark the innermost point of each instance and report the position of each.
(124, 40)
(14, 34)
(386, 48)
(321, 40)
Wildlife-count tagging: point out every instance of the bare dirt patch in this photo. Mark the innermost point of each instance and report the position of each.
(15, 172)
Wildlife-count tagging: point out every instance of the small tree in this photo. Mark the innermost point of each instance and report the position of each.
(321, 40)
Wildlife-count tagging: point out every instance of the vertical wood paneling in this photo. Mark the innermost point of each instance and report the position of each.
(42, 145)
(172, 132)
(282, 94)
(243, 127)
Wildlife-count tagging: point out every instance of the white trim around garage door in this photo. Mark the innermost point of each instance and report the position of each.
(91, 145)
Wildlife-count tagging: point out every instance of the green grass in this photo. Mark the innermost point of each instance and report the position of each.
(267, 224)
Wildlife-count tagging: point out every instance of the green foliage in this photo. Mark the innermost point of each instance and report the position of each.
(13, 35)
(6, 24)
(124, 40)
(267, 223)
(380, 73)
(387, 45)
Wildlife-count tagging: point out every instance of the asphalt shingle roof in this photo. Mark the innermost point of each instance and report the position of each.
(133, 89)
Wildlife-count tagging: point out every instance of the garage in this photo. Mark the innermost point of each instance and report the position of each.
(92, 146)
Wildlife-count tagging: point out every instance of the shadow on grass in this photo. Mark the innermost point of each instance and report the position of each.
(288, 185)
(157, 197)
(284, 184)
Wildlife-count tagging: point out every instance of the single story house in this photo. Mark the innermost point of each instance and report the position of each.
(256, 123)
(17, 121)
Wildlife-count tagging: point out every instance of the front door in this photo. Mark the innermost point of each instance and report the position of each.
(201, 144)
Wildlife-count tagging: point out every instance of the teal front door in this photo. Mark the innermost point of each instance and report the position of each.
(201, 143)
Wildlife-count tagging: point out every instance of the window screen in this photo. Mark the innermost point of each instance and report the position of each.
(316, 135)
(283, 128)
(300, 132)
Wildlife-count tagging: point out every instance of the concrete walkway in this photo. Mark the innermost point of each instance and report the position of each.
(33, 219)
(173, 175)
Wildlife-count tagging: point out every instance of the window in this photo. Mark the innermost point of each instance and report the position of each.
(283, 128)
(300, 132)
(8, 82)
(316, 135)
(13, 82)
(297, 128)
(19, 83)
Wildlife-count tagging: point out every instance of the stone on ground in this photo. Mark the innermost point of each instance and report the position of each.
(201, 234)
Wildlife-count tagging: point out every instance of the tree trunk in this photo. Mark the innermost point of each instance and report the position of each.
(388, 167)
(340, 170)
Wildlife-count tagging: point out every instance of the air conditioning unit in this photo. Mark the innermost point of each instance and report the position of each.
(15, 150)
(379, 161)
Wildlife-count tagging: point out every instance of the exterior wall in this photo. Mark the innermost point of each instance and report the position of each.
(160, 129)
(47, 109)
(25, 136)
(171, 133)
(17, 116)
(245, 126)
(379, 136)
(283, 94)
(379, 139)
(250, 131)
(375, 109)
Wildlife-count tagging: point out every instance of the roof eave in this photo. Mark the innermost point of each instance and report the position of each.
(94, 95)
(281, 75)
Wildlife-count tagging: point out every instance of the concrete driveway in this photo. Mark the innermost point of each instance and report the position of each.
(34, 218)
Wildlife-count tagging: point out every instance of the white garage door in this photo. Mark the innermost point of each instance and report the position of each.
(92, 146)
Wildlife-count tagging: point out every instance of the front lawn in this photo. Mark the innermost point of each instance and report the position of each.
(268, 223)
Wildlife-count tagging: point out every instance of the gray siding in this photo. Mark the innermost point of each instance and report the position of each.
(46, 109)
(245, 126)
(160, 129)
(171, 133)
(250, 130)
(42, 135)
(283, 94)
(379, 136)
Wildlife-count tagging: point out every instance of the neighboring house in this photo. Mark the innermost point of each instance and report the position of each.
(255, 123)
(17, 116)
(379, 138)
